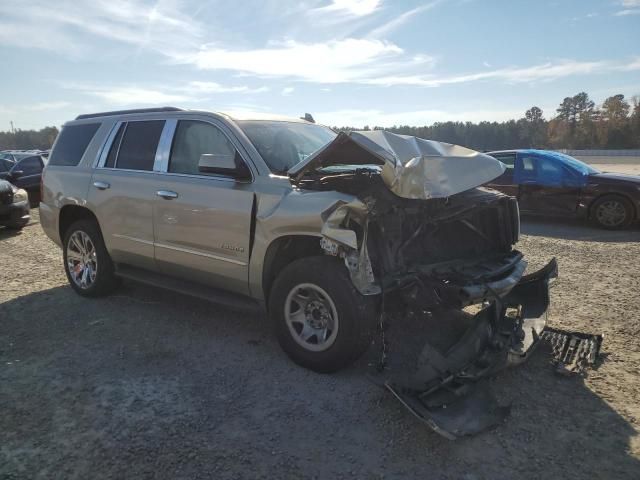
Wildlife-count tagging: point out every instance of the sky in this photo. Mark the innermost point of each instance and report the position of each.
(347, 62)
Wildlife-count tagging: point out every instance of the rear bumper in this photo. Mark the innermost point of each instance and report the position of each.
(442, 385)
(49, 223)
(15, 213)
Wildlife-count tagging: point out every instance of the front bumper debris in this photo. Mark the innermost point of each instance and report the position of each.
(573, 352)
(444, 356)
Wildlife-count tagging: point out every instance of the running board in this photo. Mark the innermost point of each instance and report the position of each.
(185, 287)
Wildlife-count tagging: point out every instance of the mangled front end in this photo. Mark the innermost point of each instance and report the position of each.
(456, 305)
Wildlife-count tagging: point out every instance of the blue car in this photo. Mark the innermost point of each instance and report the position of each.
(554, 184)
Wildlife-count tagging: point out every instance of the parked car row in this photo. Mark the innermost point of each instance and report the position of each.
(554, 184)
(24, 170)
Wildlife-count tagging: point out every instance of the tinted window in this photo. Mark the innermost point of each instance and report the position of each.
(115, 145)
(30, 166)
(194, 139)
(509, 159)
(5, 165)
(72, 143)
(139, 144)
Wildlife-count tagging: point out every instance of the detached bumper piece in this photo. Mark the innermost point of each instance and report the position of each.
(438, 369)
(573, 352)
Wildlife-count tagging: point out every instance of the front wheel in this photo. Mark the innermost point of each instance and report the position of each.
(612, 212)
(321, 321)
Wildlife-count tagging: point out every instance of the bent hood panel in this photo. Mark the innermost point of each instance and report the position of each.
(411, 167)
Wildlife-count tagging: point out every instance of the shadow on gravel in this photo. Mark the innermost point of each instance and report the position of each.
(148, 383)
(573, 229)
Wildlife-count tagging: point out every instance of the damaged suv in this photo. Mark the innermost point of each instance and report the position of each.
(346, 240)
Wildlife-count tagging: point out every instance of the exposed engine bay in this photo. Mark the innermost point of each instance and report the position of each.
(456, 305)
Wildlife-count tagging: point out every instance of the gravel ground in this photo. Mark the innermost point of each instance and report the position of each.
(150, 384)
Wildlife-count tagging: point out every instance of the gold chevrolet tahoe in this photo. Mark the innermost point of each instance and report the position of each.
(348, 241)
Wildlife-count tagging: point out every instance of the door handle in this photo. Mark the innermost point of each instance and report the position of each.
(101, 185)
(167, 194)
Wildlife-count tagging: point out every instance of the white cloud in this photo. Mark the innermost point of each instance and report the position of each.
(630, 3)
(373, 117)
(160, 27)
(286, 91)
(136, 96)
(356, 8)
(192, 92)
(400, 20)
(626, 12)
(543, 72)
(214, 87)
(335, 61)
(44, 106)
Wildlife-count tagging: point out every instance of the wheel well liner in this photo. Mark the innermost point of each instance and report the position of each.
(284, 250)
(70, 214)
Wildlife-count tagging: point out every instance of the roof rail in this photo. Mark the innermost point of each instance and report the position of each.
(124, 112)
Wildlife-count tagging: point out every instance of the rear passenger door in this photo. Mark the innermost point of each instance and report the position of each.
(203, 207)
(123, 191)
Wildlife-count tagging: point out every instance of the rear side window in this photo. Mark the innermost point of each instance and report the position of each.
(72, 143)
(139, 145)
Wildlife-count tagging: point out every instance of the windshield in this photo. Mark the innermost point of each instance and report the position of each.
(578, 164)
(285, 144)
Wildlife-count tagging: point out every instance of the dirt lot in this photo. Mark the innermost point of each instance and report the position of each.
(149, 384)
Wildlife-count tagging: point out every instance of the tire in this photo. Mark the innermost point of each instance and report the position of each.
(312, 288)
(16, 226)
(100, 279)
(612, 212)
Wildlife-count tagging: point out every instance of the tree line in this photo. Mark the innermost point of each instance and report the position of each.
(578, 124)
(28, 139)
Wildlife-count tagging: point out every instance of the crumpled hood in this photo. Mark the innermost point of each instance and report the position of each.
(411, 167)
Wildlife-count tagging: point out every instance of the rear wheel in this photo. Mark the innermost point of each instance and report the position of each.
(87, 263)
(321, 321)
(612, 212)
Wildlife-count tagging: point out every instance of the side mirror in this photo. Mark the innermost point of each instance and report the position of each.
(230, 165)
(17, 173)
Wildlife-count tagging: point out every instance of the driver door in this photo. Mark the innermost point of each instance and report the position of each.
(545, 186)
(203, 208)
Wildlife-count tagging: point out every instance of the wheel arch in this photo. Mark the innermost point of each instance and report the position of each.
(70, 214)
(284, 250)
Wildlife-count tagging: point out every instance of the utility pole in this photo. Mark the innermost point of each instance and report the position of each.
(13, 130)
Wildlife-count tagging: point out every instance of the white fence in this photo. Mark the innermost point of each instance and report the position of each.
(605, 156)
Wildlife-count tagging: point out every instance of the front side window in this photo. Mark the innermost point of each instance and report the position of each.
(509, 159)
(200, 148)
(283, 145)
(139, 144)
(29, 166)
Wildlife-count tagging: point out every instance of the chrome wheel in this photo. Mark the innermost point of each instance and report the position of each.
(82, 261)
(311, 317)
(611, 213)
